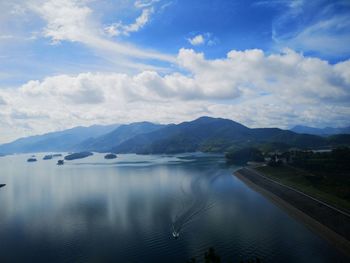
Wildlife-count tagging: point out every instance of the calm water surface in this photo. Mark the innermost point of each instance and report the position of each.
(124, 210)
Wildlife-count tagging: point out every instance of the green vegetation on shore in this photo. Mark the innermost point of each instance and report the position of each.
(330, 188)
(322, 174)
(244, 155)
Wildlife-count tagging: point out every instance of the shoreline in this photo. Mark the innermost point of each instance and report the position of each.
(330, 224)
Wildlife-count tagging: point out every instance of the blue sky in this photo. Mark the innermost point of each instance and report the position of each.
(264, 63)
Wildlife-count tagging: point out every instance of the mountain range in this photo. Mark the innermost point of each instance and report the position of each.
(60, 141)
(203, 134)
(122, 133)
(320, 131)
(218, 135)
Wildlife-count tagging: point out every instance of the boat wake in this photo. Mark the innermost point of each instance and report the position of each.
(194, 203)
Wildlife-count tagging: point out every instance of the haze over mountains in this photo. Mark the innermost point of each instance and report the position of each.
(320, 131)
(203, 134)
(105, 142)
(56, 141)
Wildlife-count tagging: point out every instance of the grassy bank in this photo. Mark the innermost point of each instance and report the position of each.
(329, 191)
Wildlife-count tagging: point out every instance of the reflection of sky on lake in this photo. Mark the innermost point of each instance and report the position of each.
(96, 210)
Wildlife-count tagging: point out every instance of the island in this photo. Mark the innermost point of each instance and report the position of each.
(47, 157)
(56, 155)
(79, 155)
(31, 159)
(110, 156)
(60, 162)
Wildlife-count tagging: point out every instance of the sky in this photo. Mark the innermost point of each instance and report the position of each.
(278, 63)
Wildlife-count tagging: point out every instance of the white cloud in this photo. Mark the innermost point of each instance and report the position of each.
(326, 37)
(75, 21)
(2, 101)
(249, 86)
(317, 26)
(197, 40)
(145, 3)
(28, 114)
(203, 39)
(66, 19)
(288, 75)
(6, 37)
(117, 29)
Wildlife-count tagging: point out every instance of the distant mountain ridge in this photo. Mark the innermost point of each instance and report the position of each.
(56, 141)
(122, 133)
(320, 131)
(204, 134)
(213, 135)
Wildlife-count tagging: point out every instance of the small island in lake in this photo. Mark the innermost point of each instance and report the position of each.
(79, 155)
(60, 162)
(110, 156)
(47, 157)
(31, 159)
(56, 155)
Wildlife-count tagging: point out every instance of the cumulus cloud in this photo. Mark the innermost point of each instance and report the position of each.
(81, 89)
(197, 40)
(2, 101)
(201, 39)
(289, 74)
(66, 19)
(249, 86)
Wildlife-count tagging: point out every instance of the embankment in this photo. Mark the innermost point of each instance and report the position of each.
(327, 221)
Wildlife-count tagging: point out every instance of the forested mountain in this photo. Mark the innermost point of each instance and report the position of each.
(203, 134)
(217, 135)
(122, 133)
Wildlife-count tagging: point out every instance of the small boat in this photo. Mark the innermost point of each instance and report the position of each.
(31, 159)
(176, 234)
(60, 162)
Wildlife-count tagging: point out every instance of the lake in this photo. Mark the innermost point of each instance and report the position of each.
(126, 210)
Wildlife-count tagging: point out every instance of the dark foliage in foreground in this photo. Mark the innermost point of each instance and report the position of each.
(212, 257)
